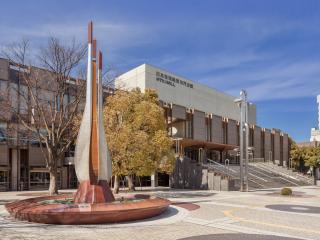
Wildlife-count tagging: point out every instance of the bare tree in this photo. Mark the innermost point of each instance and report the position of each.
(51, 97)
(108, 77)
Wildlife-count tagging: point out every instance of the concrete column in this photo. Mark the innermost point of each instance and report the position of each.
(210, 181)
(221, 156)
(154, 180)
(64, 178)
(204, 180)
(15, 173)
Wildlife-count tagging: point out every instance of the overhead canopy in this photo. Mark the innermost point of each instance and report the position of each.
(209, 145)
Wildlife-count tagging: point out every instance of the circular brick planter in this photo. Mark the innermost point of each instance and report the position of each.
(37, 210)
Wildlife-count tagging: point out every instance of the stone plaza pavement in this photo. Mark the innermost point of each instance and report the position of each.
(195, 215)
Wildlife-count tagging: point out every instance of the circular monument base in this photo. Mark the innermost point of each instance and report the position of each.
(60, 210)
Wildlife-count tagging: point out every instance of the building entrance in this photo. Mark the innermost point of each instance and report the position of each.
(163, 179)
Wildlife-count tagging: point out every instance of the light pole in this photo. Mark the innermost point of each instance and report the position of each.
(245, 103)
(244, 128)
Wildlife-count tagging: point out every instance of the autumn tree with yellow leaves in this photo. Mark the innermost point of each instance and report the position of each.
(308, 156)
(136, 135)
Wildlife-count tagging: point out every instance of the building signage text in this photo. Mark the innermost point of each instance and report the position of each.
(172, 81)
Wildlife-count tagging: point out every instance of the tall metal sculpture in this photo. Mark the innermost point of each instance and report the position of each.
(92, 158)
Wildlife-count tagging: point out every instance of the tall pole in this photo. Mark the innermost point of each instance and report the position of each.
(244, 140)
(241, 143)
(247, 142)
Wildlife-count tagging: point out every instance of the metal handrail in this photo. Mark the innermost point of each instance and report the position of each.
(219, 164)
(220, 168)
(256, 160)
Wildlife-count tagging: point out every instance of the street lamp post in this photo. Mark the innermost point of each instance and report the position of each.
(244, 128)
(245, 103)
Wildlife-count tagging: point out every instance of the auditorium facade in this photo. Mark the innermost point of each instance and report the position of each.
(204, 122)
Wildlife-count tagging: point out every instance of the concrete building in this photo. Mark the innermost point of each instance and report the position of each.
(22, 165)
(205, 122)
(315, 132)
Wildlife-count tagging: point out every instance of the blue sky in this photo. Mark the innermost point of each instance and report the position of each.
(271, 48)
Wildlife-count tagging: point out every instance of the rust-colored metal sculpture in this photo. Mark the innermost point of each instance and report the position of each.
(92, 159)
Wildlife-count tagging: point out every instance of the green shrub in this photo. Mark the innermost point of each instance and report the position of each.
(286, 191)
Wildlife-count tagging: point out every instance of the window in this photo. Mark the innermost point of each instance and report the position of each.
(41, 179)
(4, 180)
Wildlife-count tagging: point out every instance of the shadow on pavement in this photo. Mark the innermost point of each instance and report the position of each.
(239, 236)
(184, 194)
(294, 208)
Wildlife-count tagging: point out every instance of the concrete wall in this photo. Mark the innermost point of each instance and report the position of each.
(220, 183)
(217, 133)
(252, 112)
(276, 146)
(257, 141)
(285, 149)
(181, 91)
(132, 79)
(188, 174)
(178, 112)
(232, 132)
(267, 144)
(199, 126)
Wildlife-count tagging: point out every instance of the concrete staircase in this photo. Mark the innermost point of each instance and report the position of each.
(262, 175)
(284, 172)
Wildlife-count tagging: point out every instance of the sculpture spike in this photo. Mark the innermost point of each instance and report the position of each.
(94, 158)
(100, 60)
(94, 49)
(90, 27)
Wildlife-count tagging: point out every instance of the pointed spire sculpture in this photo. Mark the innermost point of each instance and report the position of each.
(92, 159)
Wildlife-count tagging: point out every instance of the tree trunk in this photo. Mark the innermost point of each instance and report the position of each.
(130, 183)
(53, 187)
(116, 184)
(315, 177)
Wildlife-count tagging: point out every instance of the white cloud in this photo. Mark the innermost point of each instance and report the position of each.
(281, 81)
(108, 34)
(226, 51)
